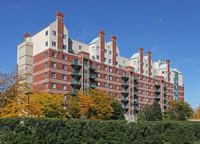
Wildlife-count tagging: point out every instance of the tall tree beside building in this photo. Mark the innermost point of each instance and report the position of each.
(153, 112)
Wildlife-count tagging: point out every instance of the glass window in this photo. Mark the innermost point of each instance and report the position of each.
(105, 50)
(53, 54)
(45, 85)
(53, 85)
(64, 36)
(117, 71)
(98, 83)
(105, 68)
(64, 47)
(64, 87)
(46, 33)
(53, 32)
(117, 87)
(64, 77)
(80, 47)
(64, 67)
(105, 59)
(53, 43)
(105, 76)
(98, 75)
(93, 48)
(46, 54)
(46, 64)
(46, 43)
(110, 61)
(46, 75)
(53, 75)
(110, 69)
(105, 84)
(53, 65)
(110, 52)
(98, 66)
(116, 62)
(110, 86)
(97, 56)
(116, 54)
(97, 48)
(64, 57)
(110, 77)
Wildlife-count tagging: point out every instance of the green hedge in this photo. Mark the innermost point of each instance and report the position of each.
(60, 131)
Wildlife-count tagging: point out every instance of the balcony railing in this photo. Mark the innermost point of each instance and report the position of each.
(92, 76)
(124, 76)
(93, 67)
(157, 84)
(125, 107)
(124, 99)
(75, 62)
(93, 85)
(124, 92)
(157, 91)
(136, 78)
(75, 72)
(77, 83)
(136, 93)
(136, 85)
(157, 97)
(124, 84)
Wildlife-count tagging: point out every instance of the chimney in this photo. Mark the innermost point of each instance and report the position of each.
(168, 70)
(113, 40)
(59, 18)
(149, 63)
(26, 35)
(102, 45)
(140, 50)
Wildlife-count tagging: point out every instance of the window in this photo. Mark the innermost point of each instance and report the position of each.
(46, 64)
(64, 36)
(64, 57)
(110, 86)
(151, 87)
(163, 72)
(98, 75)
(147, 79)
(151, 80)
(53, 32)
(64, 47)
(105, 68)
(147, 93)
(46, 43)
(142, 99)
(64, 67)
(143, 78)
(110, 77)
(98, 66)
(143, 92)
(53, 85)
(64, 77)
(146, 65)
(53, 43)
(146, 99)
(117, 94)
(117, 87)
(93, 57)
(147, 86)
(105, 84)
(45, 85)
(146, 72)
(93, 48)
(53, 75)
(53, 54)
(105, 76)
(117, 79)
(116, 62)
(151, 100)
(134, 62)
(143, 85)
(124, 62)
(97, 56)
(117, 71)
(46, 54)
(45, 75)
(98, 83)
(110, 69)
(105, 50)
(116, 54)
(138, 69)
(110, 52)
(110, 61)
(151, 94)
(53, 64)
(105, 59)
(80, 47)
(64, 87)
(97, 48)
(46, 33)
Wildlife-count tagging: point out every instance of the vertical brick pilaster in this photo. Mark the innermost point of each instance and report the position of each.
(113, 40)
(168, 70)
(149, 63)
(59, 18)
(102, 45)
(140, 50)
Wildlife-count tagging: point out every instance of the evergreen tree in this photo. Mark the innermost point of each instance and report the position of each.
(153, 113)
(118, 113)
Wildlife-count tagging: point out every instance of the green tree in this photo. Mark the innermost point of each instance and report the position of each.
(153, 113)
(118, 113)
(179, 110)
(141, 117)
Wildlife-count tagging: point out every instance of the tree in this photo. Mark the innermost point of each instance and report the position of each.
(153, 112)
(91, 104)
(118, 113)
(179, 110)
(196, 114)
(141, 117)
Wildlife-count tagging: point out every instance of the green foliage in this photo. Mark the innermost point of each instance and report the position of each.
(166, 117)
(180, 110)
(141, 117)
(153, 113)
(118, 113)
(60, 131)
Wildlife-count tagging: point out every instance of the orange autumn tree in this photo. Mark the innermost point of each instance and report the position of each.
(91, 104)
(197, 114)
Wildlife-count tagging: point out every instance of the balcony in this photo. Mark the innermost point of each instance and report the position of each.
(124, 84)
(75, 73)
(157, 84)
(124, 92)
(165, 86)
(75, 83)
(136, 78)
(165, 98)
(73, 92)
(93, 85)
(75, 63)
(93, 67)
(157, 91)
(165, 91)
(136, 108)
(136, 100)
(124, 76)
(157, 97)
(124, 99)
(136, 93)
(136, 85)
(92, 76)
(125, 107)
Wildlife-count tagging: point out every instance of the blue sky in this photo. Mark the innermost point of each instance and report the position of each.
(176, 37)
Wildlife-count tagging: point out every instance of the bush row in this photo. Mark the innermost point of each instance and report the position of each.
(20, 130)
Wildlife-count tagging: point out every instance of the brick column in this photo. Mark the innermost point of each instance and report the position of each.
(113, 40)
(149, 63)
(168, 70)
(59, 18)
(102, 45)
(140, 50)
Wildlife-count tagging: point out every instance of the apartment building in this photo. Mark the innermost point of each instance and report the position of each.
(55, 63)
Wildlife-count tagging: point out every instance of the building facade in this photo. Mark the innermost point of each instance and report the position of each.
(55, 63)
